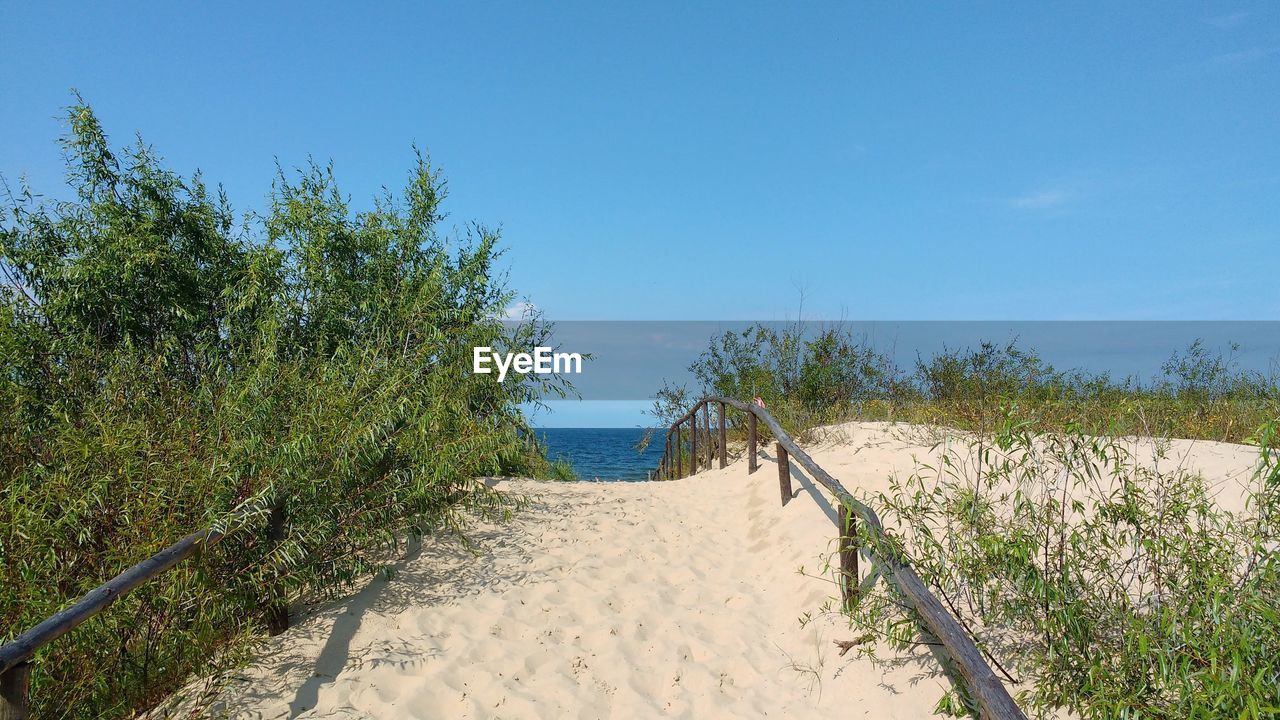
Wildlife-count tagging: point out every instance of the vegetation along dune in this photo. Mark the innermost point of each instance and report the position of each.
(750, 360)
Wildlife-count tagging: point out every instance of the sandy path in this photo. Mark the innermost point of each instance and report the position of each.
(618, 600)
(623, 600)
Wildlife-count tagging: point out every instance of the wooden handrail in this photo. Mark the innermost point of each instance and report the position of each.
(993, 699)
(21, 648)
(15, 654)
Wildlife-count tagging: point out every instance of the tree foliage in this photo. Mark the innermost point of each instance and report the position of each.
(166, 367)
(1107, 584)
(809, 378)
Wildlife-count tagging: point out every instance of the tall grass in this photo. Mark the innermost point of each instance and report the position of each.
(1099, 582)
(1103, 582)
(807, 380)
(165, 366)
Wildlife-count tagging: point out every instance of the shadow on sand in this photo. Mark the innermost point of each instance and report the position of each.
(441, 570)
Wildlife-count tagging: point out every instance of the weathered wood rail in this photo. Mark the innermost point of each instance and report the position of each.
(705, 447)
(16, 655)
(980, 679)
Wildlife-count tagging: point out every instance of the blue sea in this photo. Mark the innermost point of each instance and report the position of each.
(603, 453)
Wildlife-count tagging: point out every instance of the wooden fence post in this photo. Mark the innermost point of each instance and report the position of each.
(671, 458)
(674, 469)
(784, 474)
(752, 463)
(14, 688)
(277, 612)
(693, 442)
(684, 454)
(848, 556)
(706, 422)
(679, 451)
(666, 458)
(724, 450)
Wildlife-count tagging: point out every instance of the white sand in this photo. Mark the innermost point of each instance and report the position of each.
(623, 600)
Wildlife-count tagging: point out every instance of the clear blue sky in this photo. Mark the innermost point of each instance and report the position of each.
(966, 161)
(667, 161)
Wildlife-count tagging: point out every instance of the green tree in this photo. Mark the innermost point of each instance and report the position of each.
(164, 367)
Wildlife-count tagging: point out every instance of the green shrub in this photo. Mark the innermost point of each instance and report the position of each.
(1105, 586)
(562, 470)
(804, 381)
(164, 368)
(831, 377)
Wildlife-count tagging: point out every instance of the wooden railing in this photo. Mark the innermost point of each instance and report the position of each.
(992, 698)
(15, 656)
(980, 679)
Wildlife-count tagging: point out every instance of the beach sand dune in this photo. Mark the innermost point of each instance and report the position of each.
(615, 600)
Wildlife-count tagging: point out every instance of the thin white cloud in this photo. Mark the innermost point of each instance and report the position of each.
(1247, 55)
(1041, 200)
(519, 311)
(1230, 20)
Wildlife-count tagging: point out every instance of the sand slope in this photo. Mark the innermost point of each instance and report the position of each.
(619, 600)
